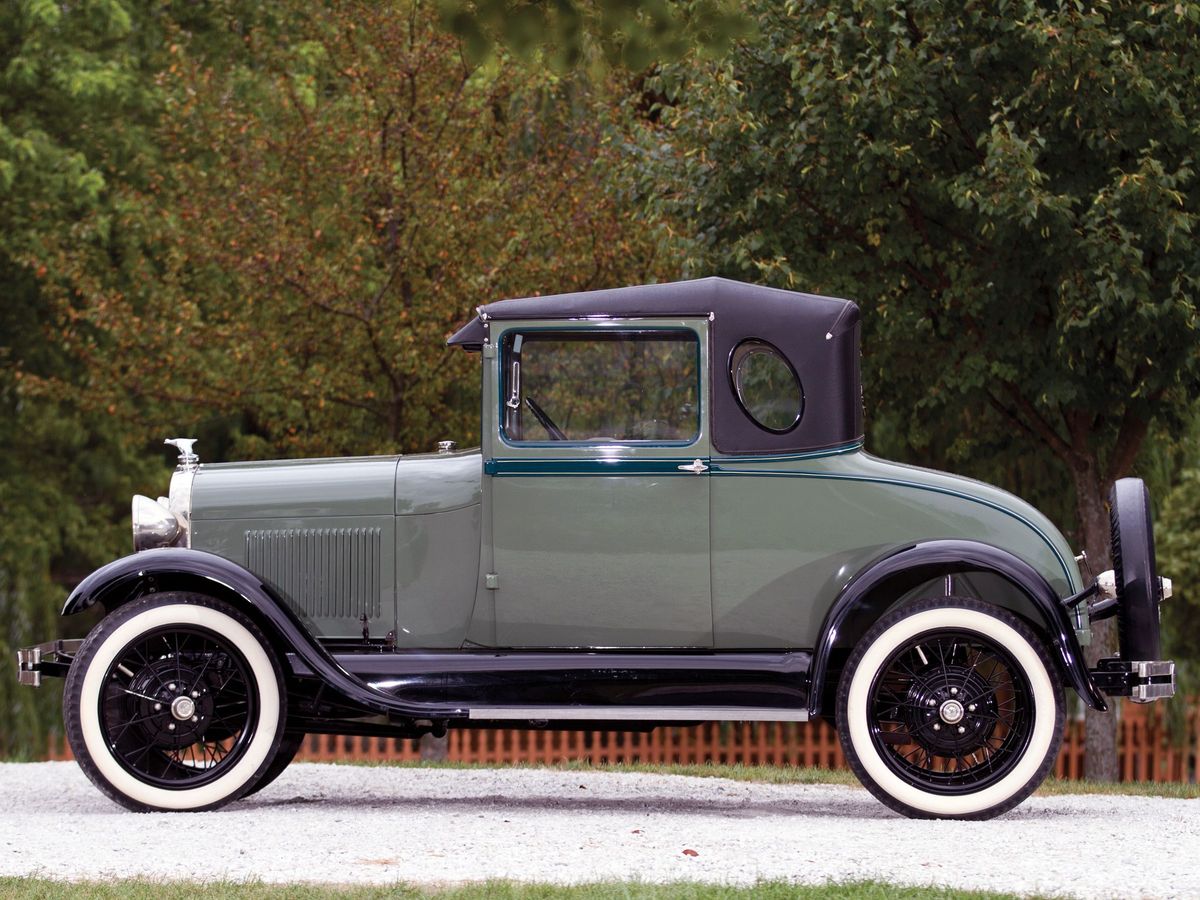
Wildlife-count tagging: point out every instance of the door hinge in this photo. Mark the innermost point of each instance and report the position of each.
(491, 581)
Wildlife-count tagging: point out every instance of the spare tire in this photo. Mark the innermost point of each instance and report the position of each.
(1138, 589)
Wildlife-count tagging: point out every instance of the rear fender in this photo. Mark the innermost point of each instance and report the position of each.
(870, 593)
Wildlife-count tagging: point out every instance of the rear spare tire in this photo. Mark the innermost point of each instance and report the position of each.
(1138, 589)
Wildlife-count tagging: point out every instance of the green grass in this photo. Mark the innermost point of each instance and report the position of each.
(45, 889)
(810, 775)
(1053, 786)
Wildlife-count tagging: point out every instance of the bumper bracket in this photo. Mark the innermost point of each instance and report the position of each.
(50, 658)
(1142, 681)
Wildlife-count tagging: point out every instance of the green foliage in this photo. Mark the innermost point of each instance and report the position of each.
(565, 33)
(1008, 189)
(333, 206)
(256, 225)
(74, 104)
(1178, 535)
(1010, 193)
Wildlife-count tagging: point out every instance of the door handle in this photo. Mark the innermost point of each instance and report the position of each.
(696, 467)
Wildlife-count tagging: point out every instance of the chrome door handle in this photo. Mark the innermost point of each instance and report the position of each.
(696, 467)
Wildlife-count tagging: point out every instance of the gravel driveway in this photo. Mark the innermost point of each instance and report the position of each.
(357, 824)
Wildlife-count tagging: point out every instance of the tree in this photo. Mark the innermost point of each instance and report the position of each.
(73, 108)
(256, 224)
(1009, 192)
(1177, 535)
(565, 33)
(333, 205)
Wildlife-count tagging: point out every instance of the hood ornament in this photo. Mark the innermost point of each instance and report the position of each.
(188, 460)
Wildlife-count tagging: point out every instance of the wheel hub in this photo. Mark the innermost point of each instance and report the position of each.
(183, 708)
(951, 710)
(176, 705)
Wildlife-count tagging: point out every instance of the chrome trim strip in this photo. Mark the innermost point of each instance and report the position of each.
(180, 501)
(641, 713)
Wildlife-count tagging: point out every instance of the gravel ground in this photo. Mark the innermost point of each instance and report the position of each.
(355, 824)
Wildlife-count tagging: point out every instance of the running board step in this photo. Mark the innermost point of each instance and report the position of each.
(640, 713)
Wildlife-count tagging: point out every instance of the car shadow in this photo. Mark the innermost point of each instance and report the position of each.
(851, 805)
(850, 808)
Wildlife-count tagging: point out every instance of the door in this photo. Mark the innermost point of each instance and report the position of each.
(599, 486)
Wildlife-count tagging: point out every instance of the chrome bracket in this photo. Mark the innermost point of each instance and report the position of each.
(1155, 680)
(50, 658)
(1142, 681)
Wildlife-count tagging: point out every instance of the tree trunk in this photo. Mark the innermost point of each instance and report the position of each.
(1091, 494)
(434, 749)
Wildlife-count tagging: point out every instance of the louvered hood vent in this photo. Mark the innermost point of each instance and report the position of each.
(330, 573)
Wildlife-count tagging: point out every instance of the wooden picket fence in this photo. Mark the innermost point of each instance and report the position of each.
(1146, 751)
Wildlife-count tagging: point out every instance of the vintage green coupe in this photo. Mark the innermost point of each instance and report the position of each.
(671, 519)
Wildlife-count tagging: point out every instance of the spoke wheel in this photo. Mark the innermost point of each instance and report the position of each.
(179, 707)
(951, 711)
(950, 708)
(175, 702)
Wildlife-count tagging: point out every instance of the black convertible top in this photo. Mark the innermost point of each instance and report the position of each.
(818, 335)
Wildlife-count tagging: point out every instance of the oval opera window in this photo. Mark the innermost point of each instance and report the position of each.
(767, 387)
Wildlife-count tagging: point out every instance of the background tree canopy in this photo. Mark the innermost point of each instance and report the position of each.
(1010, 192)
(258, 224)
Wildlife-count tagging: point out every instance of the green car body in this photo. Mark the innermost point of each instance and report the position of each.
(598, 547)
(749, 555)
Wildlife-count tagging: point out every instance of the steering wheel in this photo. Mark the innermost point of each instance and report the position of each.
(544, 420)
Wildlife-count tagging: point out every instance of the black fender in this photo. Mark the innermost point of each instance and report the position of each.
(861, 602)
(169, 569)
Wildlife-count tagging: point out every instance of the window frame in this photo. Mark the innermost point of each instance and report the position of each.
(737, 394)
(504, 343)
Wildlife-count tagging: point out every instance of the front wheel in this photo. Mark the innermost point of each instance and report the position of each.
(175, 702)
(950, 708)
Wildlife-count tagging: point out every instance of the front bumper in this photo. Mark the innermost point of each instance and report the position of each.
(50, 658)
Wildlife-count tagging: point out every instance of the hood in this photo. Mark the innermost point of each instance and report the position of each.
(345, 487)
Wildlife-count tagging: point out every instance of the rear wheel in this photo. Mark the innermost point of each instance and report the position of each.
(950, 708)
(175, 702)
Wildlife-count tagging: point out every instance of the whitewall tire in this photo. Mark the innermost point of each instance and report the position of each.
(950, 708)
(175, 702)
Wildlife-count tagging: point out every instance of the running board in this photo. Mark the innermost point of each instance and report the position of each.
(640, 713)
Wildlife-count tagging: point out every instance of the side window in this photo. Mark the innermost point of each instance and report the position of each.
(600, 386)
(767, 387)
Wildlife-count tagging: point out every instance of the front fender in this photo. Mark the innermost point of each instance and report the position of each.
(872, 590)
(155, 571)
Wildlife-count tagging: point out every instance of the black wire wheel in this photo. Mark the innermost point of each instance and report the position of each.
(951, 708)
(175, 702)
